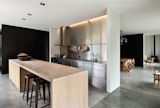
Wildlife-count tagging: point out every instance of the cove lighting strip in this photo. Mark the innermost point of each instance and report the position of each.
(89, 20)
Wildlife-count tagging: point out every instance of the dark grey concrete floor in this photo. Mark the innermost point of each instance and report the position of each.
(136, 91)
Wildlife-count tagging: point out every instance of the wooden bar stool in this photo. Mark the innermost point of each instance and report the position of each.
(27, 80)
(157, 77)
(37, 83)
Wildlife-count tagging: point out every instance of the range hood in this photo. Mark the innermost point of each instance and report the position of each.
(63, 37)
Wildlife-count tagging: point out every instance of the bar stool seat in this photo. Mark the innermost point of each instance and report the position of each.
(27, 79)
(37, 83)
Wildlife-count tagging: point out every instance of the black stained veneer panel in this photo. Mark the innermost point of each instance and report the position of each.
(133, 49)
(17, 40)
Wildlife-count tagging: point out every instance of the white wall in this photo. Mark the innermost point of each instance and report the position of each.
(158, 45)
(149, 46)
(0, 26)
(113, 50)
(143, 46)
(54, 34)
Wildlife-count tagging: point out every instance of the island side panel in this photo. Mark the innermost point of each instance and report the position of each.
(24, 72)
(70, 91)
(14, 74)
(17, 75)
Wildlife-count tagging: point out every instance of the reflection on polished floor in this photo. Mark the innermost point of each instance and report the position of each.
(136, 91)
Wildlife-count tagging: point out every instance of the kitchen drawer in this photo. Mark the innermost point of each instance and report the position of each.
(80, 64)
(103, 75)
(69, 62)
(96, 67)
(89, 74)
(80, 67)
(74, 64)
(64, 62)
(96, 73)
(60, 61)
(103, 68)
(102, 84)
(87, 65)
(95, 82)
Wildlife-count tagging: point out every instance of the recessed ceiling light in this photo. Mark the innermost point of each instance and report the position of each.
(42, 4)
(23, 19)
(29, 14)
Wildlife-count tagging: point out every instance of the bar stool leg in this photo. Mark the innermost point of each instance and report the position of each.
(31, 97)
(40, 92)
(49, 90)
(39, 89)
(44, 93)
(28, 81)
(154, 79)
(36, 97)
(24, 87)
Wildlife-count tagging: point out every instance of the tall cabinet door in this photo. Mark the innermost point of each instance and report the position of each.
(95, 27)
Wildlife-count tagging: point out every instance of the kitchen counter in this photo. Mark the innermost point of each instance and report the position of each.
(96, 70)
(98, 62)
(69, 85)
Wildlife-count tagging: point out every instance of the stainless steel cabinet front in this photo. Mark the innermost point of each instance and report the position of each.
(102, 84)
(60, 61)
(64, 62)
(103, 75)
(74, 64)
(89, 74)
(69, 62)
(88, 65)
(95, 82)
(96, 73)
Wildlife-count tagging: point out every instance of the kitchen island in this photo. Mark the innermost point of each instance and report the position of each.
(69, 85)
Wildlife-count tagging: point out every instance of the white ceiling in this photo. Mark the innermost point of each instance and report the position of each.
(137, 16)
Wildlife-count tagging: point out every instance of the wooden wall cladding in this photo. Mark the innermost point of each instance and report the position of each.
(17, 40)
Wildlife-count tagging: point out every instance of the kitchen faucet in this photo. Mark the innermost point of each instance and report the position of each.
(92, 57)
(96, 57)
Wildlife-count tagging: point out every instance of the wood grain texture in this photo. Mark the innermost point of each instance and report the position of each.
(24, 72)
(70, 91)
(46, 70)
(14, 75)
(17, 75)
(69, 85)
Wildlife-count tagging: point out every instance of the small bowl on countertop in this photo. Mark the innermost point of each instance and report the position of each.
(24, 58)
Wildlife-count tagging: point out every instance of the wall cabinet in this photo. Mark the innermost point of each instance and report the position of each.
(89, 32)
(95, 32)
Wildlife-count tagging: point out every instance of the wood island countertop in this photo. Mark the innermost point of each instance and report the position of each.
(46, 70)
(68, 85)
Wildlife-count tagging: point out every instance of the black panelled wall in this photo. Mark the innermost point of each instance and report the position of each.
(133, 49)
(17, 40)
(0, 51)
